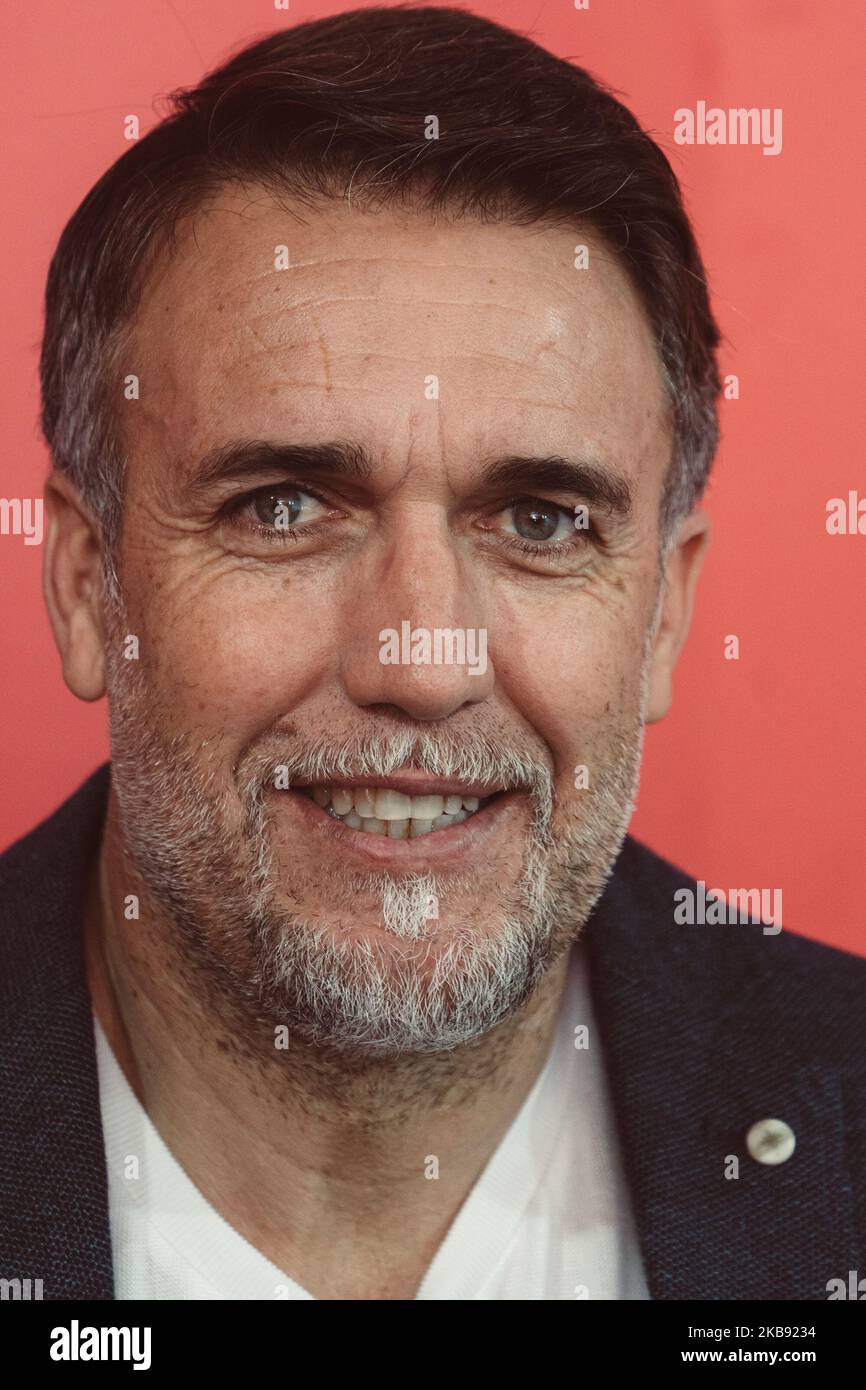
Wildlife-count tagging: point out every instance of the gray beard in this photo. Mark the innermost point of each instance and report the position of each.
(422, 987)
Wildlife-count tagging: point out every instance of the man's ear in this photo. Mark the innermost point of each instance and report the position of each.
(72, 585)
(682, 567)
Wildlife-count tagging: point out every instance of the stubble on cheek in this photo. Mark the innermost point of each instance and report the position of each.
(247, 912)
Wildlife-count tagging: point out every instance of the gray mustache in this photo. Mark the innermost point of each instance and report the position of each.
(467, 758)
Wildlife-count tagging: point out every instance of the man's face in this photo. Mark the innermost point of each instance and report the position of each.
(261, 596)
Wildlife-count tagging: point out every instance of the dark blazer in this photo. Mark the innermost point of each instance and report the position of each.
(705, 1030)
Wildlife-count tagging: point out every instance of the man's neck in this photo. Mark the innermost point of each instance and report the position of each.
(326, 1167)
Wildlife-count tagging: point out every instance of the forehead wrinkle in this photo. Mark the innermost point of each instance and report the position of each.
(555, 318)
(513, 245)
(552, 317)
(516, 348)
(550, 314)
(516, 271)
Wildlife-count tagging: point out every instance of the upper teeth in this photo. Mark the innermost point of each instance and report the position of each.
(383, 811)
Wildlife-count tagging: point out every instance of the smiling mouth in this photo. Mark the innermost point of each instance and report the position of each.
(394, 814)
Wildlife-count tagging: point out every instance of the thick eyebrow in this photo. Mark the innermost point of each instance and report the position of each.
(247, 458)
(596, 484)
(251, 458)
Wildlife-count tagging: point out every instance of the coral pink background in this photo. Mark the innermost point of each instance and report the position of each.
(756, 778)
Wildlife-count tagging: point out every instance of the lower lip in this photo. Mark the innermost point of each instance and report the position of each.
(454, 842)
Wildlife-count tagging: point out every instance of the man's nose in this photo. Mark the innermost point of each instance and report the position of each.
(414, 636)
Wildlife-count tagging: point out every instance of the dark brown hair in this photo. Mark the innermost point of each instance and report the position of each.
(336, 108)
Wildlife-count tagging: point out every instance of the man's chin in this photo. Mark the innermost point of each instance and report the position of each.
(416, 949)
(403, 915)
(430, 985)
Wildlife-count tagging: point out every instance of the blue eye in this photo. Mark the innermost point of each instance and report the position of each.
(281, 506)
(538, 521)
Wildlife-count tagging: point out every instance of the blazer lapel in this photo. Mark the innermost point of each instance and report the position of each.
(53, 1190)
(697, 1035)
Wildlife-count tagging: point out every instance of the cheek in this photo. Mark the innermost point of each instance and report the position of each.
(227, 658)
(575, 678)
